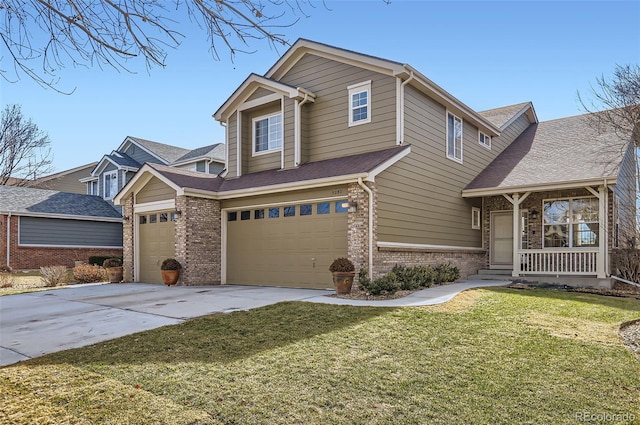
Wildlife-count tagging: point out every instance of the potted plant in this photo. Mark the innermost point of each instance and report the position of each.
(343, 272)
(170, 269)
(113, 266)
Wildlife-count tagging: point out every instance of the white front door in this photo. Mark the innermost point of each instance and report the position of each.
(501, 249)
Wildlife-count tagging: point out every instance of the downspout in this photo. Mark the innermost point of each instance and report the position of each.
(298, 130)
(370, 226)
(8, 239)
(402, 86)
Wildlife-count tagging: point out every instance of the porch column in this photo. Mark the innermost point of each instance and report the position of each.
(515, 270)
(604, 232)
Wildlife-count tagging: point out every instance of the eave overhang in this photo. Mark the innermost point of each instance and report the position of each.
(541, 187)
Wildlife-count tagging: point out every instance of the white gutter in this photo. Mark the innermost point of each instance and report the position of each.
(370, 194)
(401, 123)
(298, 130)
(8, 239)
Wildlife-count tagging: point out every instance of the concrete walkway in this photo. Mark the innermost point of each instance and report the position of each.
(38, 323)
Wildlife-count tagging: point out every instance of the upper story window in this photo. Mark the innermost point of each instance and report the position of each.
(92, 187)
(454, 137)
(484, 139)
(359, 103)
(110, 184)
(267, 133)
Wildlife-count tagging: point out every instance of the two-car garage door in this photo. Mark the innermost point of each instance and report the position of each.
(287, 245)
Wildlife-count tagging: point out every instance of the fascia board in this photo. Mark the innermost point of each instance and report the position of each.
(449, 100)
(140, 179)
(388, 163)
(473, 193)
(303, 47)
(288, 187)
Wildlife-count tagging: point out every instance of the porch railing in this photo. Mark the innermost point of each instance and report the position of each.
(559, 261)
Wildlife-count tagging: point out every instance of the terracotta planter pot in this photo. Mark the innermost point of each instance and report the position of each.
(343, 282)
(114, 274)
(170, 277)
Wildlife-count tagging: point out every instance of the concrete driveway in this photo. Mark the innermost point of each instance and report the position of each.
(38, 323)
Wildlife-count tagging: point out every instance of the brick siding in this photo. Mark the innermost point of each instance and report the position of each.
(23, 258)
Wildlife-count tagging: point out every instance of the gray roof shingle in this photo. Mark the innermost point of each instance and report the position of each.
(23, 200)
(167, 152)
(499, 116)
(215, 151)
(344, 166)
(551, 152)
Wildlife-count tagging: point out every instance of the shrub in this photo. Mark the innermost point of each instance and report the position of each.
(625, 263)
(386, 284)
(53, 275)
(410, 278)
(88, 273)
(6, 278)
(112, 262)
(343, 265)
(170, 264)
(445, 273)
(98, 260)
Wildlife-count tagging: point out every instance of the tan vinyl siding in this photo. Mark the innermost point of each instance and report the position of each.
(337, 192)
(288, 134)
(155, 190)
(329, 134)
(232, 132)
(67, 183)
(260, 92)
(625, 191)
(261, 161)
(419, 198)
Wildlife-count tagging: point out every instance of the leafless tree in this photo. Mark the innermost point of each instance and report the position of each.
(614, 103)
(24, 149)
(40, 37)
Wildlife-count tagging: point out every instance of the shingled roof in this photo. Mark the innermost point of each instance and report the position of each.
(500, 116)
(331, 168)
(552, 152)
(213, 151)
(167, 152)
(30, 201)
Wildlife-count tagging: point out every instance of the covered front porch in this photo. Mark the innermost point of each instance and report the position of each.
(560, 232)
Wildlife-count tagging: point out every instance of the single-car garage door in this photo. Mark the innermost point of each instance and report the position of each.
(156, 232)
(291, 245)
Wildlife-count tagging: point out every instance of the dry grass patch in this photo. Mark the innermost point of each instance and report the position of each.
(576, 328)
(461, 302)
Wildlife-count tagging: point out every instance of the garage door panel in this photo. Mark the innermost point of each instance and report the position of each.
(156, 243)
(286, 251)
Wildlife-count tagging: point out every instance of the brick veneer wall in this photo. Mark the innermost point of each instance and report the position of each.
(127, 240)
(22, 257)
(198, 240)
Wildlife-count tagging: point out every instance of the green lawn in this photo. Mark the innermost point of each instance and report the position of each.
(488, 357)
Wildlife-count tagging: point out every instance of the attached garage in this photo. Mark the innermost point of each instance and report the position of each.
(288, 245)
(156, 236)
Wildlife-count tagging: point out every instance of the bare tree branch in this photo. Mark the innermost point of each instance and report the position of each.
(41, 37)
(24, 149)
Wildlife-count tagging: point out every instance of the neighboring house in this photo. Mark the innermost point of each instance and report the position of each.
(51, 228)
(114, 170)
(65, 181)
(334, 153)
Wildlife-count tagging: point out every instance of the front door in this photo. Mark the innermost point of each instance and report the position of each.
(501, 250)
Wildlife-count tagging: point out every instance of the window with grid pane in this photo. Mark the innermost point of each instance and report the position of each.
(267, 133)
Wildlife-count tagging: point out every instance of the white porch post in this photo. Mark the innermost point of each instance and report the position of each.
(604, 232)
(516, 235)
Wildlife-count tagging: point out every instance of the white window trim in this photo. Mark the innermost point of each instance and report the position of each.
(570, 222)
(253, 134)
(446, 123)
(359, 88)
(104, 185)
(486, 137)
(476, 223)
(89, 186)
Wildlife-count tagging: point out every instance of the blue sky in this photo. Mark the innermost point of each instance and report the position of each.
(487, 54)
